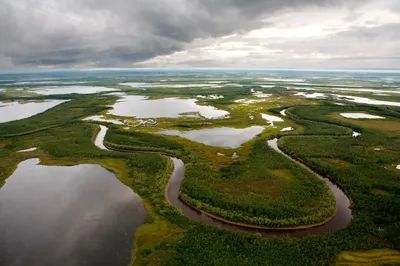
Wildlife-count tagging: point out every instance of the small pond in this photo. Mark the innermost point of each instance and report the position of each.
(141, 107)
(11, 111)
(361, 116)
(67, 215)
(220, 137)
(271, 119)
(100, 118)
(28, 150)
(287, 129)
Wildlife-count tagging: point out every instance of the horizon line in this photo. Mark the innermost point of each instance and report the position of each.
(188, 69)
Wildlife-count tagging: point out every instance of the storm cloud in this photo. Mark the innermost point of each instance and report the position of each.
(155, 33)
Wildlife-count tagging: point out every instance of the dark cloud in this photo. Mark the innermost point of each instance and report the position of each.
(120, 33)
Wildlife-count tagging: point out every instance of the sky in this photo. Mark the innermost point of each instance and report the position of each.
(262, 34)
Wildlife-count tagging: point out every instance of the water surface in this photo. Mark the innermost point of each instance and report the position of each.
(28, 150)
(99, 141)
(349, 98)
(67, 215)
(361, 116)
(220, 137)
(100, 118)
(271, 118)
(71, 89)
(11, 111)
(287, 129)
(355, 99)
(340, 219)
(141, 107)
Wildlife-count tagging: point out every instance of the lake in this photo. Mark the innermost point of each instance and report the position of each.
(67, 215)
(11, 111)
(220, 137)
(271, 119)
(54, 90)
(142, 107)
(361, 116)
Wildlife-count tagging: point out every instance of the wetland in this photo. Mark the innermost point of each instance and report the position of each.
(199, 168)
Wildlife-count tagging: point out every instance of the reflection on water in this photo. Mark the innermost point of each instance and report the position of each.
(28, 150)
(349, 98)
(220, 137)
(343, 212)
(287, 129)
(361, 116)
(140, 107)
(71, 89)
(75, 215)
(100, 118)
(99, 141)
(341, 218)
(11, 111)
(271, 119)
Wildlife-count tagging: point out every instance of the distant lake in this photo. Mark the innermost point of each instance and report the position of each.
(10, 111)
(220, 137)
(67, 215)
(54, 90)
(141, 107)
(361, 116)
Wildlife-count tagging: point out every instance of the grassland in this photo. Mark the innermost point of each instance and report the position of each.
(264, 189)
(369, 257)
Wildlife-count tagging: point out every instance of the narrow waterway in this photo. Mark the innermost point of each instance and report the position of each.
(340, 219)
(99, 141)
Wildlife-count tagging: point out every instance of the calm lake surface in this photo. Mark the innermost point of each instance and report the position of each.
(361, 116)
(220, 137)
(140, 107)
(67, 215)
(11, 111)
(54, 90)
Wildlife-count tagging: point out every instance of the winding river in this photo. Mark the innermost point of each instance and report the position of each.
(339, 220)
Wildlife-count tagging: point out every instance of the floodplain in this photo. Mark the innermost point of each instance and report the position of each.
(217, 168)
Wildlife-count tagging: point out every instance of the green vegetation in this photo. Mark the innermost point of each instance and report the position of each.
(139, 141)
(264, 189)
(373, 257)
(65, 113)
(259, 187)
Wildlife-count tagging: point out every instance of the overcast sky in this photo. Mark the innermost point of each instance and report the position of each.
(59, 34)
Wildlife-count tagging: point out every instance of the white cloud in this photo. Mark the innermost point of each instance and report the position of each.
(194, 33)
(313, 38)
